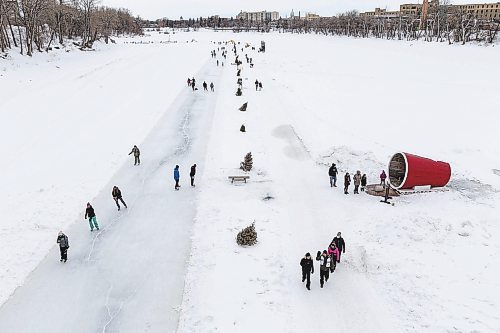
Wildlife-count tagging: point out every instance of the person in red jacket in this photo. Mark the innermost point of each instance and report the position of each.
(333, 252)
(383, 176)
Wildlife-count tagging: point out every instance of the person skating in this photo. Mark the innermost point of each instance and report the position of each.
(363, 182)
(90, 214)
(333, 252)
(340, 243)
(177, 177)
(332, 172)
(307, 269)
(357, 181)
(192, 173)
(212, 86)
(324, 266)
(205, 86)
(193, 85)
(347, 182)
(63, 242)
(117, 195)
(383, 176)
(137, 154)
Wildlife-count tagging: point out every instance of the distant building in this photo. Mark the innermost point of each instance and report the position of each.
(263, 16)
(380, 12)
(311, 16)
(487, 11)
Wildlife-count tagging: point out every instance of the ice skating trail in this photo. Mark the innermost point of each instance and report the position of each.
(129, 276)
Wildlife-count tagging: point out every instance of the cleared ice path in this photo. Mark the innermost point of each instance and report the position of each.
(129, 277)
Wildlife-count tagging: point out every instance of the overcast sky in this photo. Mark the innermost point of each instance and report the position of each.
(173, 9)
(153, 9)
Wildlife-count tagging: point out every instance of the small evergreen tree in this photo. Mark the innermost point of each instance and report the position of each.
(247, 236)
(247, 164)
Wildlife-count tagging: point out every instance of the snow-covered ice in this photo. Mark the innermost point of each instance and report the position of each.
(170, 262)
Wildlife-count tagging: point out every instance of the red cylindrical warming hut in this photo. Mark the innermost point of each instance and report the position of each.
(407, 171)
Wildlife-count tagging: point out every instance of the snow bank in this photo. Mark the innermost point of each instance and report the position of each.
(67, 122)
(426, 264)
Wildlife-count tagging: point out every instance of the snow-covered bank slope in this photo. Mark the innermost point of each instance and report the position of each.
(67, 122)
(129, 276)
(429, 263)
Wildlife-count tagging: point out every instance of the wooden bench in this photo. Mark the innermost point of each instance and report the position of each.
(238, 178)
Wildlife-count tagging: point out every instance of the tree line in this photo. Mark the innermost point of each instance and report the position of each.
(36, 25)
(440, 25)
(443, 23)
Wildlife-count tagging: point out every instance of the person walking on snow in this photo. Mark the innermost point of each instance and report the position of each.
(363, 182)
(189, 82)
(63, 242)
(324, 266)
(90, 214)
(333, 252)
(339, 242)
(117, 195)
(137, 154)
(177, 177)
(347, 182)
(260, 86)
(192, 173)
(217, 62)
(357, 181)
(307, 269)
(383, 176)
(212, 86)
(332, 172)
(205, 86)
(193, 85)
(256, 85)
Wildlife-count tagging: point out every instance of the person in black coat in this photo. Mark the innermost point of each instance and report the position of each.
(192, 173)
(90, 214)
(347, 182)
(307, 269)
(332, 172)
(339, 242)
(117, 195)
(363, 182)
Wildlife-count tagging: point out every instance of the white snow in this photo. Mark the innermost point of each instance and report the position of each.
(428, 263)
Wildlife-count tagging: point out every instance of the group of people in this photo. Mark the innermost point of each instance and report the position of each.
(258, 85)
(192, 83)
(359, 180)
(177, 176)
(116, 193)
(327, 261)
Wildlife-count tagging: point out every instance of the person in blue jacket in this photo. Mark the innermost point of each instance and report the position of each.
(177, 177)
